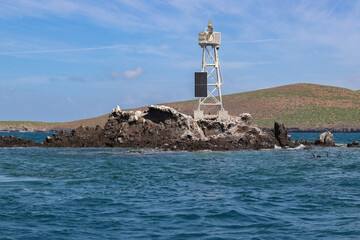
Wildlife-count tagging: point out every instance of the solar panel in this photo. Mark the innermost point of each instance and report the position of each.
(200, 84)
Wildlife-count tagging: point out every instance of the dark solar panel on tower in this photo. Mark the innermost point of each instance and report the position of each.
(200, 84)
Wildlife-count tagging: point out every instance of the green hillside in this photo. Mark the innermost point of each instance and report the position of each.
(92, 122)
(296, 105)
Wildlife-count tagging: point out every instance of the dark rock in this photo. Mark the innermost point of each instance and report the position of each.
(354, 144)
(164, 127)
(306, 142)
(80, 137)
(12, 141)
(281, 135)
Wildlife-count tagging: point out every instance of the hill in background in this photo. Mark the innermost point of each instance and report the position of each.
(46, 126)
(297, 106)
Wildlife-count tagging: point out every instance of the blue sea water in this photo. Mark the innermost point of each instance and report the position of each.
(116, 193)
(35, 136)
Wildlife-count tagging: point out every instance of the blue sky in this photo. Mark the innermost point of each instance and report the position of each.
(63, 60)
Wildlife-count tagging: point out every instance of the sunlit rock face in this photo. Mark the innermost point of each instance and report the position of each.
(325, 139)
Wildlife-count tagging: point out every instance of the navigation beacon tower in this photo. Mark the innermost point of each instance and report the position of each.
(208, 82)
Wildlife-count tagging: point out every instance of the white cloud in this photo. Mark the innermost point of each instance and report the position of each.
(241, 65)
(132, 15)
(64, 50)
(154, 50)
(303, 29)
(321, 24)
(39, 80)
(257, 40)
(127, 74)
(130, 74)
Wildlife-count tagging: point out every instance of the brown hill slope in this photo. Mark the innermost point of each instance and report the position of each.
(297, 105)
(47, 126)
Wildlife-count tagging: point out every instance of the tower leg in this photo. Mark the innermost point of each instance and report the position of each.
(203, 60)
(218, 77)
(198, 114)
(223, 115)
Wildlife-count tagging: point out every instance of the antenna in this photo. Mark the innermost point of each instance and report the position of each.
(208, 82)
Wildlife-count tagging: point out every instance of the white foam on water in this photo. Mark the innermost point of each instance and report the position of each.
(277, 147)
(5, 179)
(342, 145)
(301, 146)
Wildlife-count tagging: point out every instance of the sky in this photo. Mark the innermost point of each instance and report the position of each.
(64, 60)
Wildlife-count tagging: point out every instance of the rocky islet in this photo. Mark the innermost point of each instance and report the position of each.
(165, 128)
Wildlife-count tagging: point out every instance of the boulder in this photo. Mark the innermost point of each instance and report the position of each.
(281, 135)
(325, 139)
(117, 109)
(246, 118)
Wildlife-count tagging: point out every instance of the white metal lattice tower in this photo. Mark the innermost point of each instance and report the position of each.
(210, 42)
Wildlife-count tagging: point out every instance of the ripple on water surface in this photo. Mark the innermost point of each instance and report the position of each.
(131, 194)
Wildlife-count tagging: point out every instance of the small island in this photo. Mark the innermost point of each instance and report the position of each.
(165, 128)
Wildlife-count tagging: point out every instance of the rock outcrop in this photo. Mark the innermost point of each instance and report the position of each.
(281, 136)
(164, 127)
(353, 144)
(12, 141)
(306, 142)
(246, 118)
(325, 139)
(80, 137)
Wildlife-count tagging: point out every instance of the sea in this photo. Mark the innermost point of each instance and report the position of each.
(115, 193)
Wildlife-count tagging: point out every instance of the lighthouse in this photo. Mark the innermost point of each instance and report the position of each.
(208, 82)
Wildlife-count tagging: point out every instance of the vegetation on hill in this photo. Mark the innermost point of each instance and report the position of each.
(92, 122)
(296, 105)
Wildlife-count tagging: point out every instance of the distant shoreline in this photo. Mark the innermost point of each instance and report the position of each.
(320, 130)
(22, 130)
